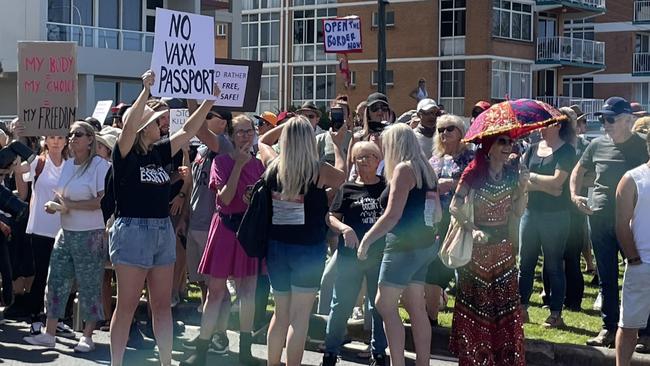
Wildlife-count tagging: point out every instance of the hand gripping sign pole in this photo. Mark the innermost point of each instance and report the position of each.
(343, 36)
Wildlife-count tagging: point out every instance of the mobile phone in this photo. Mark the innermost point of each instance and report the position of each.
(337, 118)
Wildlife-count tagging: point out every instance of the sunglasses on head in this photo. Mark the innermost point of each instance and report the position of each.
(379, 107)
(503, 141)
(76, 134)
(449, 129)
(607, 119)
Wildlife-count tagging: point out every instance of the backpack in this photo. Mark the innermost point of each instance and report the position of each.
(253, 233)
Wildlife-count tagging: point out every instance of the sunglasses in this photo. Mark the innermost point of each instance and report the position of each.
(242, 133)
(76, 134)
(213, 115)
(503, 141)
(449, 129)
(379, 107)
(607, 119)
(261, 123)
(365, 157)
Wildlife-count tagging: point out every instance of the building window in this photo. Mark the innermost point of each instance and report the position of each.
(269, 86)
(390, 19)
(452, 86)
(308, 34)
(512, 20)
(375, 78)
(642, 43)
(642, 94)
(261, 37)
(578, 29)
(312, 2)
(510, 80)
(578, 87)
(314, 83)
(117, 90)
(222, 30)
(353, 78)
(452, 27)
(260, 4)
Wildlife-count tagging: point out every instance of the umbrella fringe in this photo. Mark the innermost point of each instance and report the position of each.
(529, 127)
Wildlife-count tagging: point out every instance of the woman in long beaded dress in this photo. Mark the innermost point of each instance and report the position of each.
(487, 326)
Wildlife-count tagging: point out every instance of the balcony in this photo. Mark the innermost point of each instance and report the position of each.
(641, 11)
(641, 64)
(97, 37)
(575, 7)
(587, 105)
(570, 52)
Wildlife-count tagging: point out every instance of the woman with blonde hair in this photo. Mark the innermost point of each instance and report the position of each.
(296, 253)
(642, 125)
(78, 252)
(449, 158)
(411, 210)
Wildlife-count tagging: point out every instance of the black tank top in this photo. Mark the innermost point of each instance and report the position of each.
(300, 221)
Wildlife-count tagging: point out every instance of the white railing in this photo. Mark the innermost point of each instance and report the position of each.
(574, 50)
(641, 11)
(641, 63)
(98, 37)
(587, 105)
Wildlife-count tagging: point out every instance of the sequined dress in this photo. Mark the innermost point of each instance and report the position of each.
(487, 327)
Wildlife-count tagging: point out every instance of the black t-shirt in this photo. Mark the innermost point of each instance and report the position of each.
(562, 159)
(359, 204)
(610, 161)
(411, 231)
(141, 182)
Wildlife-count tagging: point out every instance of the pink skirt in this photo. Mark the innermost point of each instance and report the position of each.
(223, 256)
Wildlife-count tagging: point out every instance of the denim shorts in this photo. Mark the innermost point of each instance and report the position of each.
(142, 242)
(401, 268)
(295, 267)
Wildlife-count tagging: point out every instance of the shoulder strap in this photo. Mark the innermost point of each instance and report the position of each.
(40, 164)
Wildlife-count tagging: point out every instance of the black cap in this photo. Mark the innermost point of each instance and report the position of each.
(309, 106)
(223, 113)
(376, 98)
(615, 106)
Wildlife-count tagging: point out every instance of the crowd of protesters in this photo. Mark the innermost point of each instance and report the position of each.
(357, 215)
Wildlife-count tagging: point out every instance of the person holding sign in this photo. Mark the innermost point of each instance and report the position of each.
(141, 243)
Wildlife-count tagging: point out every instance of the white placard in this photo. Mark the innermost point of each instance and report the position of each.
(342, 35)
(183, 55)
(232, 80)
(177, 118)
(102, 109)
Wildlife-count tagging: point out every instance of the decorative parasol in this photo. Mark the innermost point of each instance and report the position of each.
(513, 118)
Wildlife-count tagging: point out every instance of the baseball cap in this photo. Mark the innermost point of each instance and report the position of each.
(285, 115)
(426, 105)
(637, 109)
(615, 106)
(375, 98)
(224, 114)
(269, 117)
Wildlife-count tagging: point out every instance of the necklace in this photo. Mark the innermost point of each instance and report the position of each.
(496, 177)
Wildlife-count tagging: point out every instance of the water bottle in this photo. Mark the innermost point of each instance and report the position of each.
(77, 322)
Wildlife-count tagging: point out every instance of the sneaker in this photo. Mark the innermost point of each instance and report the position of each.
(643, 344)
(357, 313)
(85, 344)
(35, 328)
(329, 360)
(598, 304)
(219, 344)
(378, 360)
(63, 330)
(553, 321)
(604, 339)
(191, 343)
(42, 339)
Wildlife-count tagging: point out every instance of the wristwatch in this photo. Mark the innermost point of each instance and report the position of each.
(182, 194)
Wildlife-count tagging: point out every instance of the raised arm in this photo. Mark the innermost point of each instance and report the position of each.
(133, 120)
(210, 139)
(192, 125)
(272, 136)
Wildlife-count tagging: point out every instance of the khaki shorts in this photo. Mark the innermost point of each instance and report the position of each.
(635, 303)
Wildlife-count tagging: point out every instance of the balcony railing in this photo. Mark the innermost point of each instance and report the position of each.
(97, 37)
(598, 4)
(587, 105)
(566, 50)
(641, 63)
(642, 11)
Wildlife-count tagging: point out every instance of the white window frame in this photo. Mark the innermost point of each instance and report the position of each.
(577, 80)
(508, 70)
(353, 78)
(221, 30)
(454, 71)
(270, 104)
(316, 48)
(457, 42)
(497, 9)
(250, 4)
(573, 28)
(313, 72)
(389, 24)
(390, 78)
(272, 50)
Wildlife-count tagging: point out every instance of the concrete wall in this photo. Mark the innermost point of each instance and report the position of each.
(19, 21)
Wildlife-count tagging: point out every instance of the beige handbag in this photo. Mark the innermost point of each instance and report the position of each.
(456, 250)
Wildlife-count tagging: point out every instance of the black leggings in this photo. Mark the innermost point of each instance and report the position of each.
(42, 247)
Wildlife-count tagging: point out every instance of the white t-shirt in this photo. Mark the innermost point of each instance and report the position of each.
(78, 186)
(40, 222)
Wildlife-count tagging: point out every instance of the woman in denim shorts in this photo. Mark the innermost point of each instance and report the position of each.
(142, 244)
(296, 253)
(412, 208)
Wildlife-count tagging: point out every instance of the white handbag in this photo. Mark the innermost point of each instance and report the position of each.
(456, 250)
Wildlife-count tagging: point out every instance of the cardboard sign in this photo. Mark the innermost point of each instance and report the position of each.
(177, 118)
(342, 35)
(239, 82)
(183, 55)
(102, 109)
(47, 87)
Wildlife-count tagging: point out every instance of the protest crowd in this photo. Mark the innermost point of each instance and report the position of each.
(372, 213)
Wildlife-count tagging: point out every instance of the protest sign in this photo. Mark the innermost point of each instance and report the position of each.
(183, 55)
(102, 109)
(342, 35)
(177, 118)
(239, 83)
(47, 87)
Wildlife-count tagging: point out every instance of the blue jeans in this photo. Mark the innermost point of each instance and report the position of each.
(351, 272)
(605, 244)
(547, 231)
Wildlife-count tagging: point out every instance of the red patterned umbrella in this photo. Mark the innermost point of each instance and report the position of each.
(514, 118)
